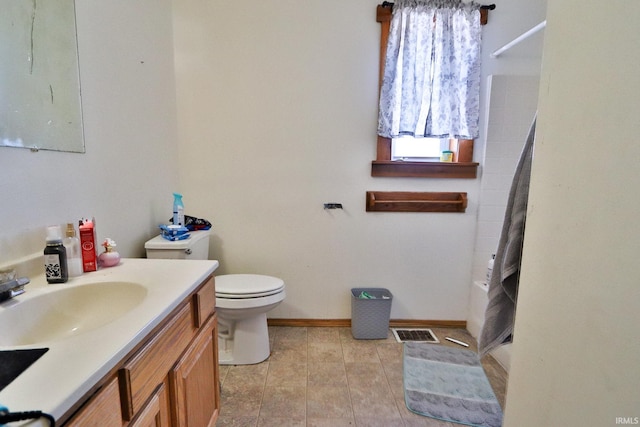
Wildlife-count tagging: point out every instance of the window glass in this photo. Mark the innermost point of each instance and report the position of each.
(413, 149)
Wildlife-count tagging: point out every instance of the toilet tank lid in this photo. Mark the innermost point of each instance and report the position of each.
(160, 242)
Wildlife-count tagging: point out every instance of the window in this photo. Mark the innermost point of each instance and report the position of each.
(389, 163)
(412, 149)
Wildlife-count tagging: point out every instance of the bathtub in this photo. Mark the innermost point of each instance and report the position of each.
(478, 300)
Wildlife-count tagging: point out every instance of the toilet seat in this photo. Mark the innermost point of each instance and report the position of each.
(245, 286)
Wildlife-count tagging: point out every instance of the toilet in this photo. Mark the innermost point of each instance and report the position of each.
(242, 301)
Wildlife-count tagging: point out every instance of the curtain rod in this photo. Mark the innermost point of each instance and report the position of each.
(487, 6)
(518, 39)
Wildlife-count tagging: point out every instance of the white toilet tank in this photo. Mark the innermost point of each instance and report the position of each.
(195, 247)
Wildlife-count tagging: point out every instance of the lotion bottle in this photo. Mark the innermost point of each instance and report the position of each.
(55, 256)
(74, 257)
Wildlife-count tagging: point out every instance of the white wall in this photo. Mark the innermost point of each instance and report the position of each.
(129, 170)
(307, 137)
(278, 108)
(575, 354)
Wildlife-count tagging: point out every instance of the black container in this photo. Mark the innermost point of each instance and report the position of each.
(55, 257)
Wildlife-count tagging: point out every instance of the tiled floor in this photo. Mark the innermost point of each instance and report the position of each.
(324, 377)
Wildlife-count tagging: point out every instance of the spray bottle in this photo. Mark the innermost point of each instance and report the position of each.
(178, 209)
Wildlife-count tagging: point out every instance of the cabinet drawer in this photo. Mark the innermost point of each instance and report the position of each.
(146, 370)
(205, 301)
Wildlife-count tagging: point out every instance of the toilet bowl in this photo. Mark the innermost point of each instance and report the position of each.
(242, 303)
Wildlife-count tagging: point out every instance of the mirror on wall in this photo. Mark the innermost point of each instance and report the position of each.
(40, 105)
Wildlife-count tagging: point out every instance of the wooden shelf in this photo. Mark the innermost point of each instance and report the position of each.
(406, 201)
(390, 168)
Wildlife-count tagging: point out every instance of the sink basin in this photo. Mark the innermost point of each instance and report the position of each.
(67, 312)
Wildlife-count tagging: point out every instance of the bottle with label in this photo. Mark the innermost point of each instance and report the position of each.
(490, 267)
(55, 256)
(178, 209)
(74, 257)
(87, 229)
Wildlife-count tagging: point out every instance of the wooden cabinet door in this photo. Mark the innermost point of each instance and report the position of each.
(103, 409)
(194, 381)
(155, 413)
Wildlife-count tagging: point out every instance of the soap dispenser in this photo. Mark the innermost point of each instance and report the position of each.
(55, 256)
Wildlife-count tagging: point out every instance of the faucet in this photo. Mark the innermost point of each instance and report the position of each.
(12, 288)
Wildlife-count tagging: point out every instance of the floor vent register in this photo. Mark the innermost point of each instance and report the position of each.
(415, 335)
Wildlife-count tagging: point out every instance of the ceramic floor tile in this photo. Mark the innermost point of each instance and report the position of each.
(278, 401)
(285, 373)
(247, 374)
(326, 373)
(322, 334)
(330, 422)
(223, 371)
(373, 402)
(288, 350)
(395, 376)
(289, 333)
(328, 402)
(240, 399)
(389, 352)
(323, 377)
(282, 422)
(360, 352)
(379, 422)
(236, 421)
(346, 335)
(497, 377)
(366, 375)
(324, 352)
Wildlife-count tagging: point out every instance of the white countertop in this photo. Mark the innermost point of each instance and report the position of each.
(71, 367)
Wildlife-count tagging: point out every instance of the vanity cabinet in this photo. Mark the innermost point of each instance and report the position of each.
(171, 379)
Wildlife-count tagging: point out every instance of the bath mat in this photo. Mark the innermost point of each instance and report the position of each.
(421, 335)
(449, 384)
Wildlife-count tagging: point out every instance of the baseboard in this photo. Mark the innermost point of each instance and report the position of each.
(346, 323)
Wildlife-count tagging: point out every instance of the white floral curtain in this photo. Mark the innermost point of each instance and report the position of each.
(431, 83)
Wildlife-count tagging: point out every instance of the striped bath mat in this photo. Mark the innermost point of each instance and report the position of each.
(449, 384)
